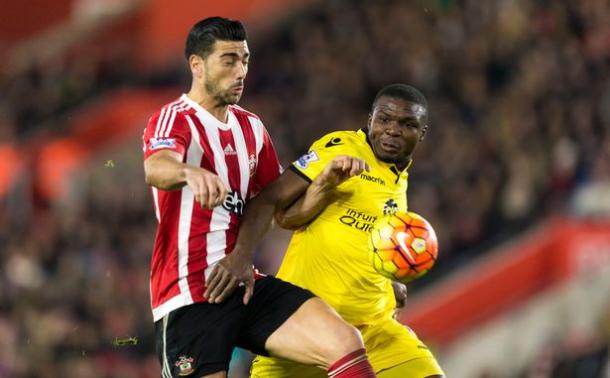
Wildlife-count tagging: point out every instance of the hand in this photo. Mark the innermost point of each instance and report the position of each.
(208, 188)
(341, 168)
(230, 272)
(400, 294)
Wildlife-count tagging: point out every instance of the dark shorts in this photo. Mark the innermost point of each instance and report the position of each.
(198, 339)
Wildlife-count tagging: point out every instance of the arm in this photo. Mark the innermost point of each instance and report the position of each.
(400, 294)
(317, 196)
(237, 267)
(165, 170)
(320, 192)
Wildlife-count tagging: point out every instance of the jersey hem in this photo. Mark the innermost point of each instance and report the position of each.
(172, 304)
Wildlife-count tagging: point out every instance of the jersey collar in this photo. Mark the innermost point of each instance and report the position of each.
(207, 117)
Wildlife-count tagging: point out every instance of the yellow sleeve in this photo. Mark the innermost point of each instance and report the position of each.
(319, 155)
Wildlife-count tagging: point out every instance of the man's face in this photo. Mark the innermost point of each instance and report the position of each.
(395, 128)
(222, 73)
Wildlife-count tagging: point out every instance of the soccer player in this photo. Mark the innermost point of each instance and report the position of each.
(205, 157)
(347, 181)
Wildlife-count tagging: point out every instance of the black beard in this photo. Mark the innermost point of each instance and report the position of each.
(223, 98)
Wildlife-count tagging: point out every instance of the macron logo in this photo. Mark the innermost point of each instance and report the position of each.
(229, 150)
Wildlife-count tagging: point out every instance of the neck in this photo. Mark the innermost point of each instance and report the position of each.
(203, 98)
(403, 164)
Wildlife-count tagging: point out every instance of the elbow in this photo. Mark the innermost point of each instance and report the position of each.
(284, 222)
(149, 179)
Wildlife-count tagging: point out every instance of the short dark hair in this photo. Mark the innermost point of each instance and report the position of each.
(204, 33)
(403, 91)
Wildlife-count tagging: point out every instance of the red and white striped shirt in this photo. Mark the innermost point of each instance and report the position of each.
(189, 239)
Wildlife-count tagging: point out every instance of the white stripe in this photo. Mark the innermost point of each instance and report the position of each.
(258, 128)
(155, 193)
(163, 118)
(216, 241)
(165, 372)
(161, 115)
(168, 111)
(170, 305)
(175, 111)
(216, 238)
(243, 159)
(170, 116)
(187, 201)
(220, 165)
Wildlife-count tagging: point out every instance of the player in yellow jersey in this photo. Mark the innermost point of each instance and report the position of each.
(332, 196)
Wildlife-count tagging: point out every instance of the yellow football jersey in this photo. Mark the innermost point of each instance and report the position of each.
(330, 256)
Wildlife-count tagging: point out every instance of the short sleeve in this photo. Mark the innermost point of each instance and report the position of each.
(268, 168)
(319, 155)
(166, 131)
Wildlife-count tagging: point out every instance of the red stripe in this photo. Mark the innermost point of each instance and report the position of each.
(166, 110)
(250, 139)
(164, 262)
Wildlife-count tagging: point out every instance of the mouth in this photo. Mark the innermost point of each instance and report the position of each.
(239, 86)
(390, 146)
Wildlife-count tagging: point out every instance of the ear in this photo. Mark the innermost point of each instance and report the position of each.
(196, 65)
(423, 132)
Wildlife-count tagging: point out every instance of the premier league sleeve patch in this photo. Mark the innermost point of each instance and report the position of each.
(155, 143)
(304, 160)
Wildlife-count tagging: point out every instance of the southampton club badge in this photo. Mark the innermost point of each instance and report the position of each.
(252, 165)
(185, 366)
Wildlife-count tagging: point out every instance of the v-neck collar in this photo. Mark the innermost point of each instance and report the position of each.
(207, 117)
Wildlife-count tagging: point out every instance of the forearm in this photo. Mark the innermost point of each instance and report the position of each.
(306, 208)
(258, 216)
(255, 223)
(165, 173)
(400, 293)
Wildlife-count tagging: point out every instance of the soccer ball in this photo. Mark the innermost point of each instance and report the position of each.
(403, 246)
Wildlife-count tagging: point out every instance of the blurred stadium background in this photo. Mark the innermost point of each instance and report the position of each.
(514, 175)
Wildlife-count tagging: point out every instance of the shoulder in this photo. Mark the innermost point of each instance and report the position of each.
(172, 111)
(343, 139)
(170, 120)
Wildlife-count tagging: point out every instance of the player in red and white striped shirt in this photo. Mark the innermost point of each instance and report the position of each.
(205, 157)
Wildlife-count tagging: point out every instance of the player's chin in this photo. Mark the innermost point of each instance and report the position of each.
(232, 99)
(387, 157)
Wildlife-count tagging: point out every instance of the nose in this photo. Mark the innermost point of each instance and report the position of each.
(393, 128)
(242, 70)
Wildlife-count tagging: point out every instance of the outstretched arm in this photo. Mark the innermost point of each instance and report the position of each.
(236, 267)
(307, 207)
(319, 193)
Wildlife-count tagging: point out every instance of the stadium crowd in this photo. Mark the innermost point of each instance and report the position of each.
(519, 94)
